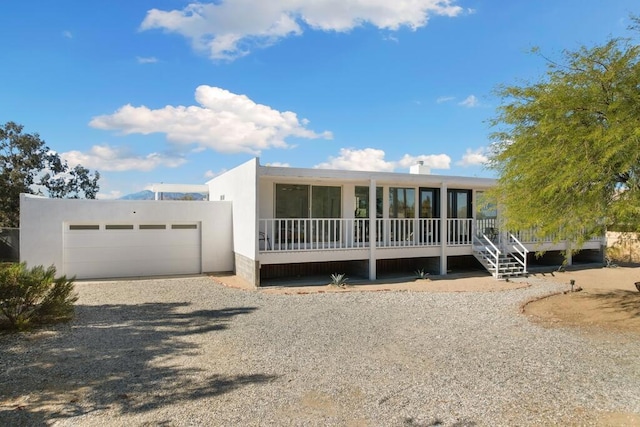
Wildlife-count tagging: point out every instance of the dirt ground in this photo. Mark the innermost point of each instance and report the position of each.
(475, 282)
(608, 300)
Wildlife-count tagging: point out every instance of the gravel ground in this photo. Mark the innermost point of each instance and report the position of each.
(187, 351)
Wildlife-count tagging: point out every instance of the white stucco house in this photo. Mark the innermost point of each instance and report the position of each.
(266, 223)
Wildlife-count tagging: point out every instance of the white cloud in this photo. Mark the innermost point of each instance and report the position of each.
(434, 161)
(391, 38)
(211, 174)
(114, 194)
(223, 122)
(474, 157)
(228, 29)
(146, 59)
(106, 158)
(470, 102)
(67, 34)
(442, 99)
(367, 159)
(371, 159)
(279, 165)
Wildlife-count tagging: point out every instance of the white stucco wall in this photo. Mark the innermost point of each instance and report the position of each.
(239, 186)
(42, 222)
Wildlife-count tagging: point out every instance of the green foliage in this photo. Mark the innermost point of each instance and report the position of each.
(567, 148)
(28, 165)
(58, 302)
(339, 280)
(34, 295)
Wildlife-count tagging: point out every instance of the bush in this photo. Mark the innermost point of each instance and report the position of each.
(34, 295)
(339, 280)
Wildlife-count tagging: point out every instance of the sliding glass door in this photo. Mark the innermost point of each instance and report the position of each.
(308, 213)
(429, 199)
(402, 209)
(361, 225)
(459, 209)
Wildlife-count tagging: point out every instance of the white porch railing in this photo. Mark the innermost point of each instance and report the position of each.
(459, 231)
(407, 232)
(530, 236)
(488, 226)
(299, 234)
(312, 234)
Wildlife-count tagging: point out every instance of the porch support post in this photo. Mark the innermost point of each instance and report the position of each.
(372, 229)
(443, 228)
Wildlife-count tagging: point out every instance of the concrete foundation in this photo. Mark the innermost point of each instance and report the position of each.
(248, 269)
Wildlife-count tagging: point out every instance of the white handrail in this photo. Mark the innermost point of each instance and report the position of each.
(498, 252)
(496, 256)
(521, 250)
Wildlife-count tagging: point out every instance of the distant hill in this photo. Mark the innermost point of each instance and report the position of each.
(149, 195)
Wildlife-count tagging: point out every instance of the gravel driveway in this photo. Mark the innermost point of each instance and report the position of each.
(188, 351)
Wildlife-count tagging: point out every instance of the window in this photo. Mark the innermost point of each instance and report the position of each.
(84, 227)
(402, 202)
(429, 203)
(153, 227)
(302, 201)
(118, 227)
(485, 208)
(459, 204)
(362, 202)
(295, 202)
(326, 202)
(292, 201)
(184, 226)
(486, 215)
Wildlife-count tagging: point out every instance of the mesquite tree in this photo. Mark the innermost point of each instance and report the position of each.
(567, 148)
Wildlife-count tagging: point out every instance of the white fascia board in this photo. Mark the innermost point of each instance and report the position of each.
(388, 178)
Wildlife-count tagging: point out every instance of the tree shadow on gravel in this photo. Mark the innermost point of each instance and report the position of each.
(127, 358)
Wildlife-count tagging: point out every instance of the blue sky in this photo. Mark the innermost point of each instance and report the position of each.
(175, 91)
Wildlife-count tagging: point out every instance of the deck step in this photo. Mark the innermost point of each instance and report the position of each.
(507, 266)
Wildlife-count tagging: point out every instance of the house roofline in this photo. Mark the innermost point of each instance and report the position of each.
(379, 177)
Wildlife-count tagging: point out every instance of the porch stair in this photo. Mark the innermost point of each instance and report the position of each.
(502, 261)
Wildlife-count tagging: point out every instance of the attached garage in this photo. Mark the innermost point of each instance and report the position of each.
(121, 250)
(101, 239)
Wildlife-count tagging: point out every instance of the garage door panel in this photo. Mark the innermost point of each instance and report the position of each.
(136, 253)
(110, 269)
(133, 237)
(120, 253)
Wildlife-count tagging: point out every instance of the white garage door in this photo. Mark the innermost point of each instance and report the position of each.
(122, 250)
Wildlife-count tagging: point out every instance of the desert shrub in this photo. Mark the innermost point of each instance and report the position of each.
(35, 295)
(339, 279)
(421, 274)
